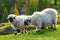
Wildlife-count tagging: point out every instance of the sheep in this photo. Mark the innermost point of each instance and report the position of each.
(51, 16)
(47, 17)
(18, 22)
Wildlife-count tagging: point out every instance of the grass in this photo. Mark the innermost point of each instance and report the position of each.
(46, 34)
(52, 1)
(6, 24)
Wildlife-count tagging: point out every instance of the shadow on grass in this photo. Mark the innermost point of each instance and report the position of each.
(30, 32)
(42, 32)
(4, 32)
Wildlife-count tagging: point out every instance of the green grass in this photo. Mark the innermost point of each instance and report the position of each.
(46, 34)
(52, 1)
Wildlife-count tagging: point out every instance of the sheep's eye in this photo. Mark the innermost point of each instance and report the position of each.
(29, 20)
(13, 17)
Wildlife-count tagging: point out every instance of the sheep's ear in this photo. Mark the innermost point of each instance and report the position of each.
(14, 17)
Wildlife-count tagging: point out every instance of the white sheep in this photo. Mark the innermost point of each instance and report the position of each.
(47, 17)
(18, 22)
(50, 17)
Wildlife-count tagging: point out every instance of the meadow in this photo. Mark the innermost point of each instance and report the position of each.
(28, 6)
(45, 34)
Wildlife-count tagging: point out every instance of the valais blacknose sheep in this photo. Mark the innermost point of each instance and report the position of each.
(19, 22)
(47, 17)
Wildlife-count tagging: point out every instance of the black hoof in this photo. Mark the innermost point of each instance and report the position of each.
(18, 30)
(25, 31)
(15, 33)
(22, 32)
(42, 27)
(51, 27)
(38, 31)
(54, 28)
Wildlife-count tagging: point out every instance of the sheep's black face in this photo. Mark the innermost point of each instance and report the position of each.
(27, 22)
(11, 19)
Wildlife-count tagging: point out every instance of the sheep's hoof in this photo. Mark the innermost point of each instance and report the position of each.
(38, 31)
(42, 27)
(15, 33)
(54, 28)
(25, 31)
(51, 27)
(18, 30)
(22, 32)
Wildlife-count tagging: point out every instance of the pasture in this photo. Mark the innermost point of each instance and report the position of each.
(45, 34)
(19, 7)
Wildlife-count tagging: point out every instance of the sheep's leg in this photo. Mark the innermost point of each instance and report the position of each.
(52, 26)
(38, 24)
(37, 29)
(25, 29)
(15, 32)
(42, 26)
(55, 23)
(21, 30)
(15, 29)
(49, 26)
(18, 30)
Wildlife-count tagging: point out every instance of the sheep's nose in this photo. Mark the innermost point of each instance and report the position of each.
(10, 19)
